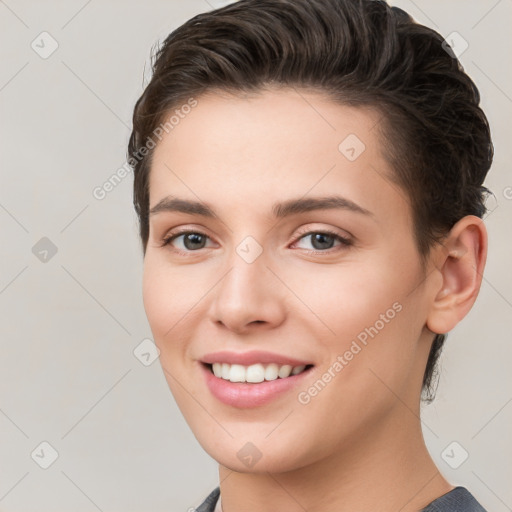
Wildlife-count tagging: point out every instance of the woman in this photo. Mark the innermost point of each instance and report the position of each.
(308, 179)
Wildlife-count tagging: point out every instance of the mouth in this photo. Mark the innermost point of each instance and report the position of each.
(255, 373)
(253, 385)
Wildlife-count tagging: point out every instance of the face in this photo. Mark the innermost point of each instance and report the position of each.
(279, 244)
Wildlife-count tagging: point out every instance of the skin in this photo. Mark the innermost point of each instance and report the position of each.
(241, 155)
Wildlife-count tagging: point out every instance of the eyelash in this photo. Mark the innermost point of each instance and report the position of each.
(344, 242)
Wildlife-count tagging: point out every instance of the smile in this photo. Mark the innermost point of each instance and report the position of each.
(255, 373)
(254, 378)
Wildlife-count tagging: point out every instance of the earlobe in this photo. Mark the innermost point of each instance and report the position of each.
(461, 261)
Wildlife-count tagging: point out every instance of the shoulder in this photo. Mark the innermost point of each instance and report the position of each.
(208, 505)
(457, 500)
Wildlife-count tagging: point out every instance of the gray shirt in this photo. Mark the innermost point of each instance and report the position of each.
(457, 500)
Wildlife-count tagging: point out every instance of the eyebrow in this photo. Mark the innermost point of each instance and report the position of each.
(279, 210)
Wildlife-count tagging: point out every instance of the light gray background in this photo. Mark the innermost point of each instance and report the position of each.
(69, 326)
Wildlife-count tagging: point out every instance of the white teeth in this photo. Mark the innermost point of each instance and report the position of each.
(217, 369)
(285, 371)
(237, 373)
(254, 373)
(271, 372)
(298, 369)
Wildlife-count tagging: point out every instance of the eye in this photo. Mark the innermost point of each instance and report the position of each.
(322, 241)
(190, 240)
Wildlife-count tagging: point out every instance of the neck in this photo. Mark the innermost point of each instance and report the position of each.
(388, 469)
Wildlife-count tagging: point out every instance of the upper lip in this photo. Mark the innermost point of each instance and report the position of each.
(251, 357)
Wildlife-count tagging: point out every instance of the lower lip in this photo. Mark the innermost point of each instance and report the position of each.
(245, 395)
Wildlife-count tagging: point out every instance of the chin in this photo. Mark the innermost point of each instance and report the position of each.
(258, 456)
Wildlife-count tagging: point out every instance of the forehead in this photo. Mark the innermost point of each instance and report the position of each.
(277, 143)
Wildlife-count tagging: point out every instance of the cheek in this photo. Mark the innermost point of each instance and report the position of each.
(347, 298)
(373, 323)
(167, 299)
(169, 293)
(174, 301)
(156, 295)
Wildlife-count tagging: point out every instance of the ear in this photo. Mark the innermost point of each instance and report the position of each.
(460, 260)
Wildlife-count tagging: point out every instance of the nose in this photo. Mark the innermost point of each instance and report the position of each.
(248, 297)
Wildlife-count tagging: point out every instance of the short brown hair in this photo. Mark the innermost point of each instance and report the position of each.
(360, 53)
